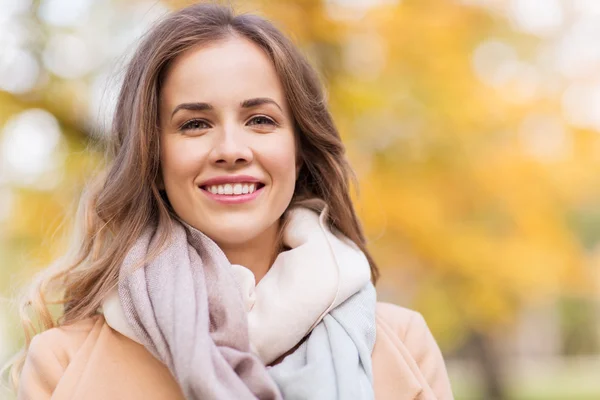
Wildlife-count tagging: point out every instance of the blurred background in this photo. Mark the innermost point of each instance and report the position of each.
(474, 129)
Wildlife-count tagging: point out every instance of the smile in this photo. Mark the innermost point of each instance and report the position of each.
(233, 193)
(233, 189)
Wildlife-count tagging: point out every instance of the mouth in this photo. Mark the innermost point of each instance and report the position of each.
(233, 189)
(233, 193)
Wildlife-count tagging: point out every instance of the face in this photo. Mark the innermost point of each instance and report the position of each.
(228, 155)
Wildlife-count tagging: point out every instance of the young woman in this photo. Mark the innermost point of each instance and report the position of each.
(220, 256)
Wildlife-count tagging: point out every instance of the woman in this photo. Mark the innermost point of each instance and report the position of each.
(220, 256)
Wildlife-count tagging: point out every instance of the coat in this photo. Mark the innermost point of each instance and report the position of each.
(89, 360)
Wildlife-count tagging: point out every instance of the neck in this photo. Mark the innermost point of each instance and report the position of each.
(257, 254)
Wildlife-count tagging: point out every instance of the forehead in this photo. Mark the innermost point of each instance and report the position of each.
(233, 69)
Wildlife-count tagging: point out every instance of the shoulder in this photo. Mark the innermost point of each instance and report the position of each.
(401, 320)
(76, 331)
(404, 333)
(88, 359)
(49, 354)
(63, 341)
(411, 329)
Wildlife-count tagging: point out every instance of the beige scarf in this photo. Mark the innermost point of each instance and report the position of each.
(190, 302)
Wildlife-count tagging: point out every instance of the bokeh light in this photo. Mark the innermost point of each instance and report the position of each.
(30, 141)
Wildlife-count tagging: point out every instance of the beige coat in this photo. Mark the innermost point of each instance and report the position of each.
(89, 360)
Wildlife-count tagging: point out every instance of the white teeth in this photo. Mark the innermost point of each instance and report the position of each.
(232, 188)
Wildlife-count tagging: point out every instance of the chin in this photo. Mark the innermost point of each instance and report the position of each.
(230, 230)
(234, 236)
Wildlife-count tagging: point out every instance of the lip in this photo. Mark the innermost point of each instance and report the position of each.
(233, 199)
(219, 180)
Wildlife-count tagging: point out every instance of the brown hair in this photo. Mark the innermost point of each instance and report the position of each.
(116, 209)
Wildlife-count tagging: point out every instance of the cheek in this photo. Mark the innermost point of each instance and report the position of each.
(280, 164)
(179, 162)
(280, 161)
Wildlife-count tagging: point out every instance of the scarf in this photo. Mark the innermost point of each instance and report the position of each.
(215, 329)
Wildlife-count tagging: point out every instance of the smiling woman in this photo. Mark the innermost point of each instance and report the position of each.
(220, 255)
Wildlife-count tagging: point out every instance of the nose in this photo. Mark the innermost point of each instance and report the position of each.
(231, 148)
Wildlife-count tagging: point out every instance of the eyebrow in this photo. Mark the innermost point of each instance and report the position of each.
(192, 107)
(206, 106)
(259, 101)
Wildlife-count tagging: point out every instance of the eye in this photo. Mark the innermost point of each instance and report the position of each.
(262, 120)
(194, 124)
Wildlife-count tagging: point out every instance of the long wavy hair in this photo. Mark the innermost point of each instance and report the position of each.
(122, 202)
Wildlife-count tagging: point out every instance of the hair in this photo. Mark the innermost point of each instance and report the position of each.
(115, 209)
